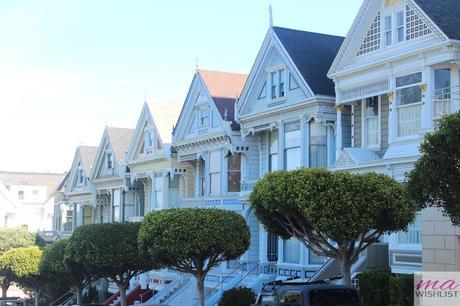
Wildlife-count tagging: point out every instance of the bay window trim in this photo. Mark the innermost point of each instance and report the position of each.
(364, 124)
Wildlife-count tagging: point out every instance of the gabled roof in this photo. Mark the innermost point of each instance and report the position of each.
(119, 139)
(50, 180)
(164, 115)
(87, 155)
(224, 88)
(313, 54)
(445, 14)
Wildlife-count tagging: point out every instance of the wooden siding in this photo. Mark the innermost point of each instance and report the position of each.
(357, 125)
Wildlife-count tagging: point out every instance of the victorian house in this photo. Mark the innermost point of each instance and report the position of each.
(396, 74)
(74, 207)
(114, 199)
(287, 117)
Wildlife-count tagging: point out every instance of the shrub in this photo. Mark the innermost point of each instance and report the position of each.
(402, 289)
(375, 288)
(240, 296)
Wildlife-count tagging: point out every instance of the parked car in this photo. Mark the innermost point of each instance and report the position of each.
(318, 293)
(12, 301)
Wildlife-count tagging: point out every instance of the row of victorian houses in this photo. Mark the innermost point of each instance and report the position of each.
(360, 103)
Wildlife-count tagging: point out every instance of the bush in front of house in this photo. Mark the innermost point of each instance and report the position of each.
(240, 296)
(381, 288)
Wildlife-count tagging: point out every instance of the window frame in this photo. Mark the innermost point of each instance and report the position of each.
(109, 160)
(364, 123)
(149, 131)
(297, 147)
(273, 155)
(216, 173)
(398, 107)
(277, 76)
(393, 31)
(232, 171)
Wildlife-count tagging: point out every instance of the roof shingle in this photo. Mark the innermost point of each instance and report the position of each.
(119, 139)
(445, 13)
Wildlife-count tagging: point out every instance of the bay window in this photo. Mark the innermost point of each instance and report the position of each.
(158, 190)
(291, 251)
(408, 104)
(234, 173)
(214, 172)
(442, 96)
(292, 146)
(371, 121)
(318, 145)
(273, 151)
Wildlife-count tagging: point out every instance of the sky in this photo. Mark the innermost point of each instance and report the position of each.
(68, 68)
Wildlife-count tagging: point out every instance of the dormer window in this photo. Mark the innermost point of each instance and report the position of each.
(149, 139)
(394, 28)
(81, 177)
(204, 117)
(109, 158)
(277, 84)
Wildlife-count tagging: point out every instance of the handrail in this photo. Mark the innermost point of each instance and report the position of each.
(244, 277)
(223, 280)
(72, 294)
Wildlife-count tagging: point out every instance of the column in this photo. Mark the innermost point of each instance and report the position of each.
(426, 115)
(339, 132)
(281, 146)
(303, 141)
(455, 88)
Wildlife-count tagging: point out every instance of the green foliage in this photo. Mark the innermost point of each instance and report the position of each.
(11, 238)
(108, 250)
(317, 206)
(375, 288)
(435, 180)
(193, 240)
(23, 265)
(402, 289)
(240, 296)
(91, 296)
(174, 237)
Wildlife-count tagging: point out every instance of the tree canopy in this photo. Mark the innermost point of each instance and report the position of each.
(435, 180)
(109, 250)
(336, 214)
(193, 240)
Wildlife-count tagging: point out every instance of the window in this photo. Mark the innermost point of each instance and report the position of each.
(291, 298)
(371, 120)
(204, 117)
(442, 95)
(408, 104)
(272, 247)
(234, 173)
(158, 189)
(291, 251)
(388, 36)
(116, 207)
(81, 177)
(292, 146)
(35, 192)
(314, 259)
(20, 195)
(214, 172)
(87, 215)
(394, 31)
(273, 151)
(318, 145)
(202, 170)
(277, 79)
(148, 139)
(109, 158)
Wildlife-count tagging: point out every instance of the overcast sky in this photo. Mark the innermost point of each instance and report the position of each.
(70, 67)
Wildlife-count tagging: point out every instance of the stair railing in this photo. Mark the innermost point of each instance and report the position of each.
(63, 298)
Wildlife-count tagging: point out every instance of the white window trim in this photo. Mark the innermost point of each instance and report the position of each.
(364, 144)
(393, 13)
(152, 131)
(276, 69)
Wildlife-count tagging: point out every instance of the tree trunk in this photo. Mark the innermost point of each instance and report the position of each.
(200, 285)
(122, 289)
(346, 270)
(79, 294)
(36, 297)
(4, 290)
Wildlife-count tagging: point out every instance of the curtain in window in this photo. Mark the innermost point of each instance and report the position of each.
(273, 151)
(318, 145)
(292, 146)
(409, 104)
(291, 251)
(234, 173)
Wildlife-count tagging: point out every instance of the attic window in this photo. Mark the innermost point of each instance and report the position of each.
(148, 139)
(81, 177)
(204, 117)
(109, 158)
(277, 79)
(263, 92)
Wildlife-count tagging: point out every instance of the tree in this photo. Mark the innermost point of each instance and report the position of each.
(435, 180)
(23, 264)
(109, 250)
(193, 240)
(13, 238)
(335, 214)
(240, 296)
(64, 271)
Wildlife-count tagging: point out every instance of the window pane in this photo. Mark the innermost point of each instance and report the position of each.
(292, 135)
(273, 83)
(400, 19)
(281, 83)
(441, 79)
(234, 181)
(400, 34)
(372, 107)
(372, 129)
(408, 95)
(408, 120)
(409, 79)
(388, 23)
(274, 135)
(214, 161)
(387, 38)
(234, 162)
(291, 251)
(292, 159)
(273, 162)
(318, 145)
